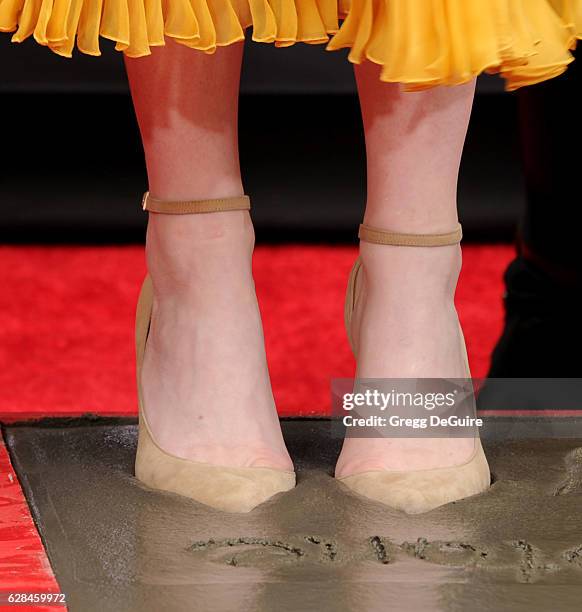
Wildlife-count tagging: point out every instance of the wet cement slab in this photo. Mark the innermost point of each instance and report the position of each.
(116, 545)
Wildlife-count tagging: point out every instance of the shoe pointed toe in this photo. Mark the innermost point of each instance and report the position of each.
(230, 489)
(420, 491)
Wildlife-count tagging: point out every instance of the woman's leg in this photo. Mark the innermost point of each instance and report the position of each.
(205, 380)
(406, 325)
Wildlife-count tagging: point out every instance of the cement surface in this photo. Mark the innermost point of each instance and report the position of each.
(116, 545)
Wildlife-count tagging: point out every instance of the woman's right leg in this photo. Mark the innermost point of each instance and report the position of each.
(205, 379)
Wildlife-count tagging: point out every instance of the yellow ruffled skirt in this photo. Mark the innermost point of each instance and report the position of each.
(421, 43)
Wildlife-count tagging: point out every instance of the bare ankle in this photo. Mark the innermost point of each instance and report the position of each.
(188, 250)
(421, 271)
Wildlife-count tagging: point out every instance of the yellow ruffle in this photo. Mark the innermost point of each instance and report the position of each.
(421, 43)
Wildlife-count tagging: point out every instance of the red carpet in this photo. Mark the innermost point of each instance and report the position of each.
(66, 324)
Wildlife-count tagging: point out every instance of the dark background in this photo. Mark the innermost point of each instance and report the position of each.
(72, 164)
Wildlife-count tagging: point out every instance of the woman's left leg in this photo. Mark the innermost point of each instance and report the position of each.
(405, 325)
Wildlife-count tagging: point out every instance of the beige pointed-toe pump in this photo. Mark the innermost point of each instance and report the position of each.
(232, 489)
(416, 491)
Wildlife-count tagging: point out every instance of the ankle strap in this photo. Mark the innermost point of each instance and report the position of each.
(380, 236)
(195, 206)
